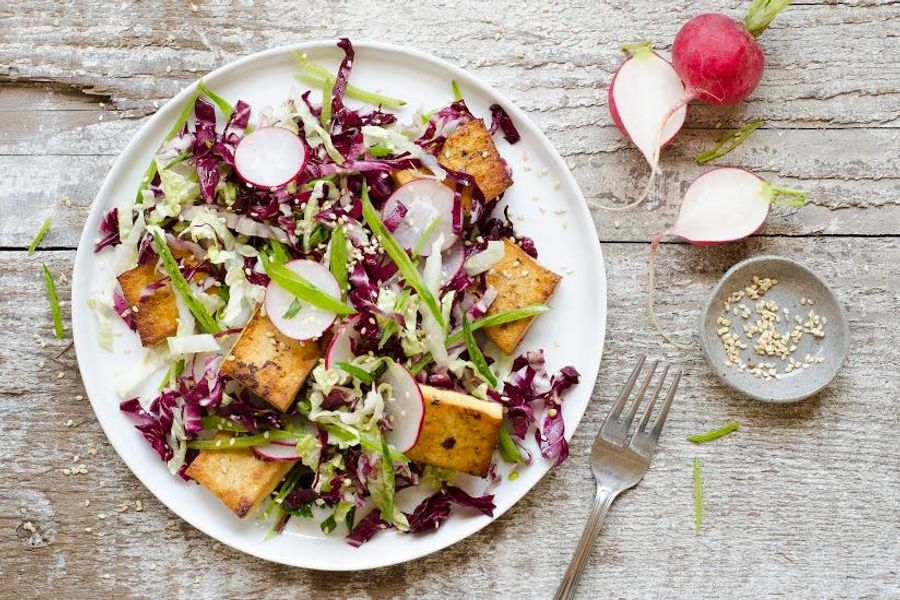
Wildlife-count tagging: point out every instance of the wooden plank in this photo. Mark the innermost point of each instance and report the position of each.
(60, 153)
(801, 502)
(144, 52)
(63, 150)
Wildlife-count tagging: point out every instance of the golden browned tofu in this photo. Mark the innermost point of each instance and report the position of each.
(459, 432)
(471, 149)
(237, 477)
(157, 314)
(404, 176)
(519, 281)
(270, 364)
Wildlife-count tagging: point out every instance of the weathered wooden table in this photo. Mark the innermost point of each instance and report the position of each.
(802, 502)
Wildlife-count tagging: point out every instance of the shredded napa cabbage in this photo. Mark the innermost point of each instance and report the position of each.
(191, 344)
(374, 135)
(435, 335)
(484, 260)
(224, 249)
(179, 190)
(104, 309)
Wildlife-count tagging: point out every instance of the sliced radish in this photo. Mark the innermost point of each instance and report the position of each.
(642, 94)
(723, 205)
(276, 451)
(269, 157)
(340, 348)
(412, 210)
(453, 259)
(310, 321)
(405, 409)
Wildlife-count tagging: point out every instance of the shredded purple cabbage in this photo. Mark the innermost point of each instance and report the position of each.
(366, 529)
(528, 383)
(434, 510)
(109, 230)
(501, 120)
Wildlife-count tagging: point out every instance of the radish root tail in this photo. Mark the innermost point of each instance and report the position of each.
(637, 202)
(651, 288)
(654, 166)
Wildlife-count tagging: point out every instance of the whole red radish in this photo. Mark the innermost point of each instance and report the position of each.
(718, 58)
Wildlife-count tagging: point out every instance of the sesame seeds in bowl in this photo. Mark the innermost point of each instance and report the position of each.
(773, 330)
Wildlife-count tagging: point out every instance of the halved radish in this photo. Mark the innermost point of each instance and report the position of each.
(648, 103)
(722, 205)
(269, 157)
(405, 409)
(340, 348)
(310, 321)
(275, 451)
(728, 204)
(453, 259)
(641, 95)
(419, 212)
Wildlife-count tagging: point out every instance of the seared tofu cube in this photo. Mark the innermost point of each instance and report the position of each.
(237, 477)
(157, 314)
(459, 432)
(470, 149)
(270, 364)
(519, 281)
(404, 176)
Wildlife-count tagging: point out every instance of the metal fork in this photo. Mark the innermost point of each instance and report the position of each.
(618, 460)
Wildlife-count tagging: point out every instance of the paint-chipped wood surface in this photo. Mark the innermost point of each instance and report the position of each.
(801, 503)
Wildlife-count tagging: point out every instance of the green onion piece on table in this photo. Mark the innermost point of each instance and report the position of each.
(698, 495)
(708, 436)
(58, 330)
(40, 236)
(729, 142)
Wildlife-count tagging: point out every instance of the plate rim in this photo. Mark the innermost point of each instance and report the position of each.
(85, 251)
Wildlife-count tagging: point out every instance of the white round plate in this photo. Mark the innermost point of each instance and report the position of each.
(572, 333)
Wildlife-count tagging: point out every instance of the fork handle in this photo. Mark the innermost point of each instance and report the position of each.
(569, 583)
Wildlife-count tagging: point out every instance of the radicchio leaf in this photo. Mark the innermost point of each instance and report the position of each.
(366, 529)
(501, 120)
(434, 510)
(109, 230)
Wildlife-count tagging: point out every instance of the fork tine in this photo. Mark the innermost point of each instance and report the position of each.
(664, 411)
(639, 397)
(616, 410)
(648, 412)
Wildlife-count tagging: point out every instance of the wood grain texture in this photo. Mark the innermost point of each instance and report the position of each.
(801, 503)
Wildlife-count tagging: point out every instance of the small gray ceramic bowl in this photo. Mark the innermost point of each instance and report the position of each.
(794, 282)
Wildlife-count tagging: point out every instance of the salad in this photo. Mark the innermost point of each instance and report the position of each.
(336, 306)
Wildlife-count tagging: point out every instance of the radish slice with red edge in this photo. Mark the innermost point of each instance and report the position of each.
(276, 452)
(340, 348)
(453, 259)
(405, 410)
(728, 204)
(269, 157)
(310, 321)
(642, 91)
(418, 212)
(647, 103)
(722, 205)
